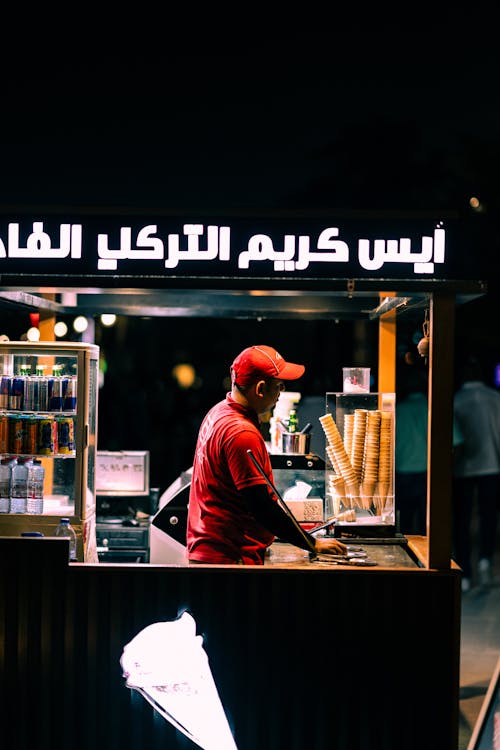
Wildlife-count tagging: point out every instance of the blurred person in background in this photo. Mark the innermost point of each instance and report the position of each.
(412, 410)
(476, 472)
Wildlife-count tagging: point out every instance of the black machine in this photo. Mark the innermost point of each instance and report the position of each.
(125, 504)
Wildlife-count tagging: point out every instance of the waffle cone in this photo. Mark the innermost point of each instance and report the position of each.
(340, 455)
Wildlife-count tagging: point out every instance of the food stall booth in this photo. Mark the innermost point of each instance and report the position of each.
(298, 652)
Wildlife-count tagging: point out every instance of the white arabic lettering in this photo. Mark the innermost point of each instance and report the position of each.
(203, 244)
(260, 247)
(218, 245)
(399, 251)
(38, 244)
(152, 247)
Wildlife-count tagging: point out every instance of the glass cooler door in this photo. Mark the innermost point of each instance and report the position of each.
(48, 416)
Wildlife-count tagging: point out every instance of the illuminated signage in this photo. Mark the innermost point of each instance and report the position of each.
(111, 247)
(167, 665)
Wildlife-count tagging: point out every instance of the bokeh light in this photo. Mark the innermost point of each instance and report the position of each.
(80, 324)
(60, 329)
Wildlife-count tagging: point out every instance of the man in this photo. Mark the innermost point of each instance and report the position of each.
(412, 410)
(477, 472)
(233, 517)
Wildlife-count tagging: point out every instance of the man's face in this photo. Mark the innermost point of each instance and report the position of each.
(271, 392)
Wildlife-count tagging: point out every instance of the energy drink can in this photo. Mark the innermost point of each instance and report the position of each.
(4, 433)
(65, 435)
(16, 433)
(55, 393)
(5, 387)
(47, 436)
(30, 395)
(16, 398)
(69, 393)
(31, 436)
(42, 389)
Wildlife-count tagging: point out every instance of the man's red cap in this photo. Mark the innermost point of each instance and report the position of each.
(262, 362)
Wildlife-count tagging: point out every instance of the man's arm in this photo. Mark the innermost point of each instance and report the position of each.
(268, 512)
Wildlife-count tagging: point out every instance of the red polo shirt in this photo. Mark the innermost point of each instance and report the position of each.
(220, 529)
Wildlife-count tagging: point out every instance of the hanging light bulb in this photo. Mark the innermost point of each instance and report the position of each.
(33, 334)
(60, 329)
(80, 324)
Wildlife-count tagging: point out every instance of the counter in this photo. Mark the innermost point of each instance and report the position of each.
(302, 655)
(391, 556)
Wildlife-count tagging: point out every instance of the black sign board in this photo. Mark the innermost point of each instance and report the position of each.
(165, 251)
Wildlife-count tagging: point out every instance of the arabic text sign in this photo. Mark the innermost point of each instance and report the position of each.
(103, 246)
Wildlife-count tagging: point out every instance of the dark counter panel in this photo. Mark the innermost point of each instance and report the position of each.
(317, 658)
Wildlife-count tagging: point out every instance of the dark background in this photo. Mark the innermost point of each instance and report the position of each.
(256, 113)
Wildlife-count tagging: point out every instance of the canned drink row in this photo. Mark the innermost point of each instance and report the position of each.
(40, 435)
(35, 393)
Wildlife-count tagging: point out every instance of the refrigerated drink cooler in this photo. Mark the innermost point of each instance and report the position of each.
(48, 413)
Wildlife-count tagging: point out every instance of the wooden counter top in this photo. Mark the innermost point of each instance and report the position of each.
(284, 555)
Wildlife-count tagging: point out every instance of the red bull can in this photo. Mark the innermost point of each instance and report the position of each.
(47, 436)
(66, 435)
(5, 388)
(69, 393)
(55, 393)
(16, 398)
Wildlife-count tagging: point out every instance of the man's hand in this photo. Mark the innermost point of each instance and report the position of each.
(330, 546)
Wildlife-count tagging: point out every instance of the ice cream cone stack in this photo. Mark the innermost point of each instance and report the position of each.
(352, 490)
(348, 432)
(367, 493)
(333, 460)
(358, 441)
(337, 492)
(371, 454)
(381, 496)
(385, 457)
(336, 443)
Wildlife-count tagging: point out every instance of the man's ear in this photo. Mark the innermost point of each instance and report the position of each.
(259, 387)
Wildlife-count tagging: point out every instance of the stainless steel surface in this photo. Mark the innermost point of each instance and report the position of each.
(364, 562)
(295, 442)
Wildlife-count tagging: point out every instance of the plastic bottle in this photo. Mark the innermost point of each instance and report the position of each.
(19, 486)
(293, 421)
(65, 529)
(5, 481)
(275, 434)
(36, 477)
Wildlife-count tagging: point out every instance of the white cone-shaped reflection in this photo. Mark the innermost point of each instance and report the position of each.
(167, 665)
